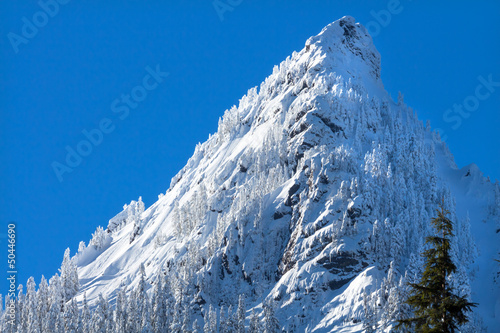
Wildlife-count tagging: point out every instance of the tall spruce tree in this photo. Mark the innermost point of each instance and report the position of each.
(436, 307)
(240, 315)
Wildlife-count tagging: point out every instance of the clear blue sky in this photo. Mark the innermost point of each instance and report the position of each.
(65, 76)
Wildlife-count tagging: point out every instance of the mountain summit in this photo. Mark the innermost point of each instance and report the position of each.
(315, 195)
(347, 46)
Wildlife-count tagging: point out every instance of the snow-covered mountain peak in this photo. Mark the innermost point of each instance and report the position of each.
(316, 192)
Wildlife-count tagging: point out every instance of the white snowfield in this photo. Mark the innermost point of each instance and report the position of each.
(317, 191)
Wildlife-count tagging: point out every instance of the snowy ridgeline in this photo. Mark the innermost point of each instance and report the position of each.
(306, 211)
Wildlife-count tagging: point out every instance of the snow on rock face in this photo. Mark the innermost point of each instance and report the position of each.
(316, 191)
(350, 46)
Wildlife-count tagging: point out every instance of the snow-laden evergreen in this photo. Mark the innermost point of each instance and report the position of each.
(307, 211)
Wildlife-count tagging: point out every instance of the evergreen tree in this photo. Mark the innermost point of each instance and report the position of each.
(176, 319)
(146, 323)
(21, 313)
(159, 317)
(212, 316)
(186, 319)
(31, 302)
(85, 315)
(370, 318)
(43, 305)
(97, 323)
(223, 320)
(145, 314)
(142, 297)
(120, 315)
(71, 317)
(271, 323)
(69, 277)
(59, 324)
(255, 326)
(81, 247)
(196, 327)
(101, 316)
(133, 318)
(231, 322)
(210, 320)
(98, 238)
(49, 325)
(206, 325)
(55, 292)
(240, 315)
(169, 301)
(436, 307)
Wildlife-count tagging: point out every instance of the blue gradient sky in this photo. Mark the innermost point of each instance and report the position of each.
(64, 78)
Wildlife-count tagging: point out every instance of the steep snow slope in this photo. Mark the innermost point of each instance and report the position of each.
(316, 191)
